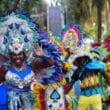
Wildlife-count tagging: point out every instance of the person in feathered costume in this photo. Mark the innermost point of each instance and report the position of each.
(107, 64)
(18, 36)
(71, 40)
(49, 90)
(87, 71)
(50, 93)
(106, 99)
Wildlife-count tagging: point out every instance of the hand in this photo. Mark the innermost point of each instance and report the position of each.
(38, 51)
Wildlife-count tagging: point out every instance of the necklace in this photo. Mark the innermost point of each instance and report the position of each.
(21, 68)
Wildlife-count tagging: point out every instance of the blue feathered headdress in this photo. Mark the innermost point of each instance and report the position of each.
(17, 34)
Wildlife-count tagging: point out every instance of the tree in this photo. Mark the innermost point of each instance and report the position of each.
(99, 4)
(84, 11)
(7, 6)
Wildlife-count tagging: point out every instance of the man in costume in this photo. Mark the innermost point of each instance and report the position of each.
(87, 71)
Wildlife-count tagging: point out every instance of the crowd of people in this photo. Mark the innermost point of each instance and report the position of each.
(39, 73)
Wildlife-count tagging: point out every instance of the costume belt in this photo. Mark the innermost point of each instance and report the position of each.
(17, 89)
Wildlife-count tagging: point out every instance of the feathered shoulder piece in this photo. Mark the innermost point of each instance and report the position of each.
(52, 74)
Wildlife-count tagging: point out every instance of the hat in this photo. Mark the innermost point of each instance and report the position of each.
(73, 58)
(17, 34)
(72, 35)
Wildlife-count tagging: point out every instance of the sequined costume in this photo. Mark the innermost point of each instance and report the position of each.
(19, 44)
(20, 97)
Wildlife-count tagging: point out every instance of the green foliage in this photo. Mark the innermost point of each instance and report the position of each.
(108, 56)
(2, 9)
(27, 5)
(3, 5)
(108, 31)
(12, 5)
(92, 33)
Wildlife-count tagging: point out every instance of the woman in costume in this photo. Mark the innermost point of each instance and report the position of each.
(18, 38)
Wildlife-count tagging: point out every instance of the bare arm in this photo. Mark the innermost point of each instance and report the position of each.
(38, 64)
(106, 76)
(41, 61)
(2, 73)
